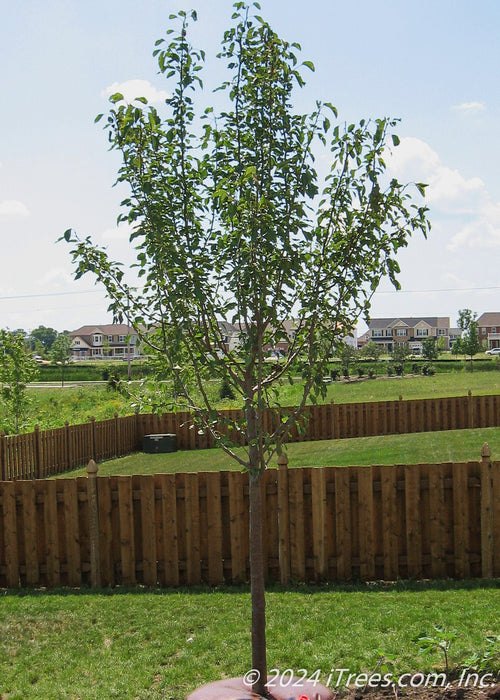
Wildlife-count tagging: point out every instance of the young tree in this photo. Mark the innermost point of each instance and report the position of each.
(469, 342)
(17, 369)
(400, 353)
(228, 227)
(347, 356)
(430, 349)
(371, 351)
(61, 352)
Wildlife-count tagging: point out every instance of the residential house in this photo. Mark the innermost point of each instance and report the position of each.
(489, 329)
(110, 341)
(391, 331)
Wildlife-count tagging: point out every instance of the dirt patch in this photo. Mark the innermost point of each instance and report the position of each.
(453, 691)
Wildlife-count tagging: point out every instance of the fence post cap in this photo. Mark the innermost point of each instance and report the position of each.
(282, 460)
(486, 450)
(469, 393)
(92, 467)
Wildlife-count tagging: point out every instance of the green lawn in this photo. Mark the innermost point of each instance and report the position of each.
(51, 407)
(163, 644)
(445, 446)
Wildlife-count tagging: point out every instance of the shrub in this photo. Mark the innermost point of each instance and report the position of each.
(428, 370)
(226, 390)
(360, 371)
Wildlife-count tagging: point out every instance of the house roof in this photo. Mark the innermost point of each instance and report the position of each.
(410, 321)
(106, 329)
(489, 318)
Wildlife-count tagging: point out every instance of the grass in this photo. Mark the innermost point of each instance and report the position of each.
(164, 644)
(51, 407)
(445, 446)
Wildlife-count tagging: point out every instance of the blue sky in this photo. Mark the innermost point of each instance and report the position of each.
(434, 64)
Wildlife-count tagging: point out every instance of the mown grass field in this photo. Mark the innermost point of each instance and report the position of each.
(51, 407)
(164, 644)
(446, 446)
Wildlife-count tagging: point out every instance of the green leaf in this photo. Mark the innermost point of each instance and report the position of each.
(116, 97)
(309, 64)
(395, 140)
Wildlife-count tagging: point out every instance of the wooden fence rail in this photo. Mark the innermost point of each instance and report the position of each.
(332, 523)
(48, 452)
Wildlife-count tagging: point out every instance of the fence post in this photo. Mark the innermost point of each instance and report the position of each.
(38, 467)
(470, 410)
(92, 437)
(487, 550)
(93, 506)
(332, 411)
(3, 456)
(117, 436)
(283, 519)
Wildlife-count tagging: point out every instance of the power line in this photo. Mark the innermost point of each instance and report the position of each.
(49, 294)
(427, 291)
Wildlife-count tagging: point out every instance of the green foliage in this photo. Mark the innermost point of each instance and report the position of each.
(60, 352)
(371, 351)
(469, 343)
(17, 369)
(223, 225)
(42, 337)
(486, 658)
(440, 639)
(226, 390)
(430, 349)
(400, 352)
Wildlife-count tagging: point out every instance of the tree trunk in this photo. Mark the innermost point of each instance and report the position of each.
(259, 662)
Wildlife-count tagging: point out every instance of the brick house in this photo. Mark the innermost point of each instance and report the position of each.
(111, 341)
(488, 325)
(388, 332)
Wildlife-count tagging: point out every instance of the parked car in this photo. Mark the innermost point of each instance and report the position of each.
(493, 351)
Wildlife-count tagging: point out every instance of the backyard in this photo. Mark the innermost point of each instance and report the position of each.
(165, 642)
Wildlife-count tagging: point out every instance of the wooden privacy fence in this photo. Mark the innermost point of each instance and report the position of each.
(48, 452)
(333, 523)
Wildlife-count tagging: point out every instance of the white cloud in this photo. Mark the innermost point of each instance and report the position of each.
(131, 89)
(470, 107)
(57, 277)
(414, 160)
(482, 231)
(461, 209)
(119, 233)
(13, 207)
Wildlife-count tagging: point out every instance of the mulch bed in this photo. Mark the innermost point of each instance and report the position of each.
(453, 692)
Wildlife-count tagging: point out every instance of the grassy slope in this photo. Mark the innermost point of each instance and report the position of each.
(164, 644)
(446, 446)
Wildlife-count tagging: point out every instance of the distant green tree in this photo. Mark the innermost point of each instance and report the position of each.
(17, 369)
(371, 351)
(347, 356)
(61, 352)
(469, 342)
(400, 353)
(46, 336)
(430, 349)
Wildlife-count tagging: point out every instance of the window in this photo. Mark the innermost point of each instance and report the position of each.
(377, 333)
(442, 331)
(421, 332)
(97, 338)
(401, 332)
(121, 338)
(110, 338)
(388, 332)
(493, 330)
(483, 331)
